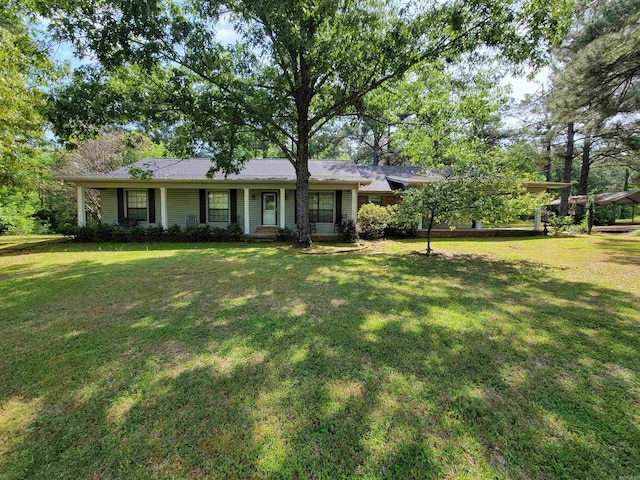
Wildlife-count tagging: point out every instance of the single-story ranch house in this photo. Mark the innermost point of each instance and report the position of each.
(260, 198)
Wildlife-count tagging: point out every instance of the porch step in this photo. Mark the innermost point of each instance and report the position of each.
(261, 237)
(263, 230)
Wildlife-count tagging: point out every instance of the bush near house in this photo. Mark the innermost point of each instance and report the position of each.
(376, 222)
(399, 227)
(349, 231)
(175, 233)
(285, 235)
(373, 219)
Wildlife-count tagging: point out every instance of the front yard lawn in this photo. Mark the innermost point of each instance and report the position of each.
(503, 358)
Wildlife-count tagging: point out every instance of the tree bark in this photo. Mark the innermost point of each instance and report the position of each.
(566, 175)
(303, 96)
(376, 150)
(431, 217)
(303, 227)
(583, 184)
(547, 154)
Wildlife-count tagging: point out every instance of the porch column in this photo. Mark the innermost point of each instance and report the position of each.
(354, 204)
(247, 227)
(420, 223)
(536, 219)
(478, 225)
(282, 193)
(82, 208)
(164, 214)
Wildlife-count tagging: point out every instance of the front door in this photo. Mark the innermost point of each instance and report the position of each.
(269, 209)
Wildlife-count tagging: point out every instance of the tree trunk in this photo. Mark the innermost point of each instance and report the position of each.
(303, 227)
(303, 95)
(547, 155)
(376, 150)
(583, 185)
(625, 187)
(566, 176)
(429, 234)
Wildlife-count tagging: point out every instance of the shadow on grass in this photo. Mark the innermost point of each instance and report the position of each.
(625, 251)
(246, 362)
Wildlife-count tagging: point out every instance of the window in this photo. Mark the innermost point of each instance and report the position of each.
(218, 206)
(377, 199)
(137, 205)
(321, 207)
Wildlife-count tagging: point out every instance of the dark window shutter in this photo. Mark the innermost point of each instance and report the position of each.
(233, 200)
(120, 195)
(203, 206)
(338, 207)
(152, 205)
(295, 207)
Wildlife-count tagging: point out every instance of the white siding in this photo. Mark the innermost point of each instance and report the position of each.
(108, 206)
(180, 204)
(346, 205)
(290, 209)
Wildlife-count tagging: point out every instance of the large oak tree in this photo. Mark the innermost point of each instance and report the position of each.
(292, 67)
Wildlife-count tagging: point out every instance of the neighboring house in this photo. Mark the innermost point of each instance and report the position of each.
(260, 198)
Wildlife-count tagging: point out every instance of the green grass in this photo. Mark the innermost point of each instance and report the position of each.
(500, 359)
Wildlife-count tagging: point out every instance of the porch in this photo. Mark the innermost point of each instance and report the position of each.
(259, 210)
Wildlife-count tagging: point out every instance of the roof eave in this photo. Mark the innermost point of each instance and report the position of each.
(88, 179)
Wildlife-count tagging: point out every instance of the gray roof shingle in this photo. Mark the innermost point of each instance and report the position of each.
(372, 178)
(255, 169)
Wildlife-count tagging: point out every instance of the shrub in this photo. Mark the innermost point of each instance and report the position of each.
(372, 219)
(196, 233)
(397, 226)
(137, 234)
(233, 233)
(590, 213)
(152, 233)
(604, 215)
(155, 233)
(68, 230)
(285, 235)
(559, 224)
(174, 232)
(349, 231)
(217, 234)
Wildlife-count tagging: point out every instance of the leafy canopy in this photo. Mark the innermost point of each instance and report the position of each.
(24, 73)
(292, 67)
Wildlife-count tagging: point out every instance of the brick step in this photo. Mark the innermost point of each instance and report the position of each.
(272, 230)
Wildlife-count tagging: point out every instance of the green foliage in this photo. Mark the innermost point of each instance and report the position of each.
(233, 233)
(483, 193)
(349, 231)
(600, 73)
(590, 213)
(372, 220)
(155, 233)
(285, 235)
(112, 149)
(398, 225)
(560, 224)
(17, 213)
(457, 115)
(294, 67)
(24, 74)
